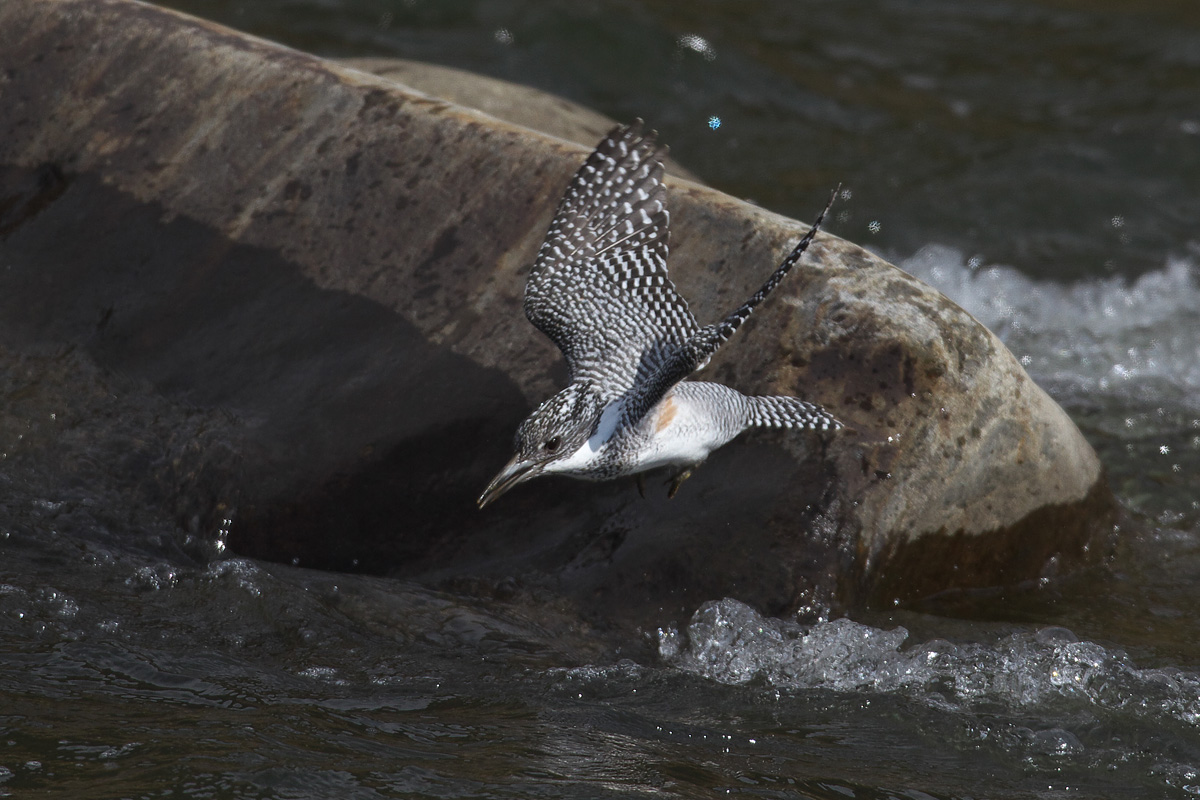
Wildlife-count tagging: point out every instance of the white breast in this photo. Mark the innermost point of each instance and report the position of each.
(681, 431)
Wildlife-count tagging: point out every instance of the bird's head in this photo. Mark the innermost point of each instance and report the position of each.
(549, 438)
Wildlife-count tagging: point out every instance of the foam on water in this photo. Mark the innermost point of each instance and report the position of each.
(729, 642)
(1134, 340)
(1042, 697)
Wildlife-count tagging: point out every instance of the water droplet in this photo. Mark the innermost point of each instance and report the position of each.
(697, 44)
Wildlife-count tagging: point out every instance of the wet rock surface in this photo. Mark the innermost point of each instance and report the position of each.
(329, 269)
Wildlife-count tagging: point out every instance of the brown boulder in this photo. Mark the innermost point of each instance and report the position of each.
(337, 262)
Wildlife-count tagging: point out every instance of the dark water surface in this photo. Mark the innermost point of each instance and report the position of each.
(1037, 161)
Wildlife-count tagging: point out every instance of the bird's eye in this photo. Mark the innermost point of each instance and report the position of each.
(552, 444)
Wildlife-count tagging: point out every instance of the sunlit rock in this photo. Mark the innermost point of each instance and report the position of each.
(329, 266)
(511, 102)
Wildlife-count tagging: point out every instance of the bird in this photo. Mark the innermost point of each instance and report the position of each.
(599, 289)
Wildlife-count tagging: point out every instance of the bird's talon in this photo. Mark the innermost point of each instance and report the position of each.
(676, 482)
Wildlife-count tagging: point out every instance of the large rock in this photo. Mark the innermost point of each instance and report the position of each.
(335, 262)
(511, 102)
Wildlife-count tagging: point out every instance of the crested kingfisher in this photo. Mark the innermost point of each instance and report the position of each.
(599, 289)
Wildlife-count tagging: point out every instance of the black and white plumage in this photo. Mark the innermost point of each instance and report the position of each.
(599, 289)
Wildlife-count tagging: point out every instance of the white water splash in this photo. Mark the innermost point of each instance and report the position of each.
(729, 642)
(1132, 340)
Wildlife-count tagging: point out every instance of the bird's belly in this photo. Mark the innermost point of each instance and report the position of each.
(671, 452)
(677, 433)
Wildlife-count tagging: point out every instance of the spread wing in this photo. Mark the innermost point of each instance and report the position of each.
(599, 287)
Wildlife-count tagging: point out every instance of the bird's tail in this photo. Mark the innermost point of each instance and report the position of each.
(789, 412)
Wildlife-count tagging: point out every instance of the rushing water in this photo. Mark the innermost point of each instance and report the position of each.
(1037, 161)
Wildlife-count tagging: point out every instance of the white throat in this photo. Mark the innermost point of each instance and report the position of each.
(591, 451)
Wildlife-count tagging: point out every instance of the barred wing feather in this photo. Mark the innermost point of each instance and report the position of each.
(599, 286)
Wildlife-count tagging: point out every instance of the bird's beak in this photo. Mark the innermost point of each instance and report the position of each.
(514, 472)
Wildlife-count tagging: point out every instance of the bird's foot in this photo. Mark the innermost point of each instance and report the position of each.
(677, 481)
